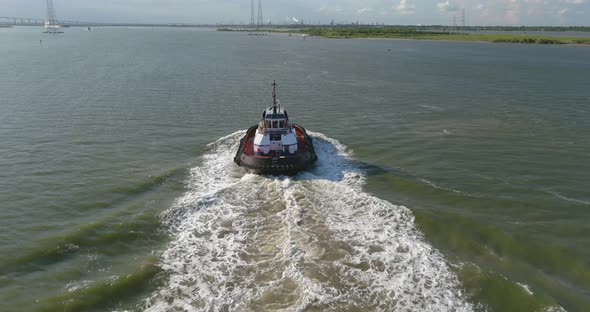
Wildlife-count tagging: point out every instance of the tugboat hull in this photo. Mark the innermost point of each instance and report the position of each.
(276, 164)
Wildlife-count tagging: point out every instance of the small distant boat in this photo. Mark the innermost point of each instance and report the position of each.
(89, 28)
(276, 146)
(51, 28)
(49, 25)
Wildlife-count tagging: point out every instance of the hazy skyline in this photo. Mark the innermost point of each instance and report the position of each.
(478, 12)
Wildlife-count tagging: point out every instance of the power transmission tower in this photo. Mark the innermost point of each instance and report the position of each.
(252, 14)
(51, 24)
(51, 13)
(463, 18)
(260, 19)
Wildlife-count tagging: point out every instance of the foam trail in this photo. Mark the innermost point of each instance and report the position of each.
(569, 199)
(316, 241)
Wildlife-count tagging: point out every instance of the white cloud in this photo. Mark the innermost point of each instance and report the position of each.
(363, 10)
(447, 6)
(563, 11)
(512, 14)
(405, 7)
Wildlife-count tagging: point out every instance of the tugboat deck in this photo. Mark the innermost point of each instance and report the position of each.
(249, 145)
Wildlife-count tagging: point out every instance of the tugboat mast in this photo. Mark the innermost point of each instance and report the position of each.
(274, 96)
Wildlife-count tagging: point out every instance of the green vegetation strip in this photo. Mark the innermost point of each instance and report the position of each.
(421, 34)
(400, 33)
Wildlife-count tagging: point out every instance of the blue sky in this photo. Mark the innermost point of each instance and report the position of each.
(478, 12)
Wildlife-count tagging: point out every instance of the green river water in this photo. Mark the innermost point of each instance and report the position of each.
(451, 176)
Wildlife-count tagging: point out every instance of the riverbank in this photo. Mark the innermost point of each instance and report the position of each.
(423, 34)
(395, 33)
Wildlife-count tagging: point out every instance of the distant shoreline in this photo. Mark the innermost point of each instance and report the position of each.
(422, 34)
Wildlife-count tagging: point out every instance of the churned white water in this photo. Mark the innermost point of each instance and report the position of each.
(315, 241)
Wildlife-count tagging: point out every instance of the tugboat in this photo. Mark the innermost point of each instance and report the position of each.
(276, 146)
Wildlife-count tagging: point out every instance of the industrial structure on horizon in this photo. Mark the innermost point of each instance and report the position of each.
(51, 24)
(260, 20)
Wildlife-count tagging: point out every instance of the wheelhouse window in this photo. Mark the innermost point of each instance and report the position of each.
(275, 123)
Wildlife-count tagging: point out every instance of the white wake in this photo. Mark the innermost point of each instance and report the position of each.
(315, 241)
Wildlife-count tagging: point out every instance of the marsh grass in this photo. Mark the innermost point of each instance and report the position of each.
(402, 33)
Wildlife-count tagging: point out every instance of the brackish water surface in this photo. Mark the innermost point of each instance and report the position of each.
(452, 176)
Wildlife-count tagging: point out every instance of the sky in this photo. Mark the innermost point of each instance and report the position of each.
(394, 12)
